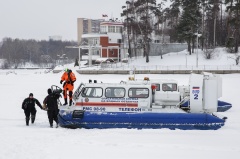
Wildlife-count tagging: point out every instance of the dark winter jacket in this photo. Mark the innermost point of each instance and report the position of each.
(51, 101)
(29, 104)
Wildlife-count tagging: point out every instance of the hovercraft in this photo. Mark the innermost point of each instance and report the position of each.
(138, 105)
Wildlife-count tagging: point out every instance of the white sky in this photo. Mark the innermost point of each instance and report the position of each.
(38, 141)
(39, 19)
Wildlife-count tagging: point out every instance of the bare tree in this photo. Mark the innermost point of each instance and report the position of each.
(208, 53)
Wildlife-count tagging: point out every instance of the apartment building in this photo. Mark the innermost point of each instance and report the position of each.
(87, 26)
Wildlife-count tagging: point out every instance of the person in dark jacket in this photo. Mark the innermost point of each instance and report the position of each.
(51, 105)
(28, 106)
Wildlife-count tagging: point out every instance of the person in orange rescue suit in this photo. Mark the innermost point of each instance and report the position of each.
(68, 78)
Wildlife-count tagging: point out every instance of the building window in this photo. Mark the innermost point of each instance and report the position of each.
(118, 29)
(103, 29)
(85, 26)
(111, 29)
(93, 41)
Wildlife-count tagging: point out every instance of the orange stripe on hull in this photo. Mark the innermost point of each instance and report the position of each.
(107, 104)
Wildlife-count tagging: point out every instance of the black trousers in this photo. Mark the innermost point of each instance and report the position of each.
(52, 115)
(30, 111)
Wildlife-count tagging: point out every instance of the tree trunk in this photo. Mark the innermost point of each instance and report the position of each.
(189, 47)
(147, 58)
(237, 33)
(193, 44)
(147, 52)
(236, 39)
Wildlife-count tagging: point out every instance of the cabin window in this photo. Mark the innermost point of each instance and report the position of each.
(169, 87)
(115, 92)
(138, 92)
(92, 92)
(157, 86)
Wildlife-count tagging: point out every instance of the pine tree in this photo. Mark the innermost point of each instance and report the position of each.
(189, 22)
(145, 8)
(233, 8)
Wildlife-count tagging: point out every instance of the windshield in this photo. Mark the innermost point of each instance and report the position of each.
(78, 91)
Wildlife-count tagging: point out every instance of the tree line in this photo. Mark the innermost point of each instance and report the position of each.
(208, 23)
(202, 23)
(17, 51)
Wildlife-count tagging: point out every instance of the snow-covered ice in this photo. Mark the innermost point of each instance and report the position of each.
(39, 141)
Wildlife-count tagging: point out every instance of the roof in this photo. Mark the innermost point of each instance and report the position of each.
(111, 23)
(94, 35)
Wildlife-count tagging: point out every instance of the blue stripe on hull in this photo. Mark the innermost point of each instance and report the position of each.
(185, 121)
(222, 106)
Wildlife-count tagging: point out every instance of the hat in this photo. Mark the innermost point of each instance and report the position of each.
(49, 91)
(30, 94)
(66, 69)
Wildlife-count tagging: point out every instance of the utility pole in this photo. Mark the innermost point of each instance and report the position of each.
(214, 32)
(90, 56)
(197, 51)
(162, 37)
(197, 40)
(162, 25)
(30, 56)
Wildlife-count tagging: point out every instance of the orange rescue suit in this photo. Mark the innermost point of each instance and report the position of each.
(69, 78)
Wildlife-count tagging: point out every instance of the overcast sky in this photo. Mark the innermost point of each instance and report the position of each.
(39, 19)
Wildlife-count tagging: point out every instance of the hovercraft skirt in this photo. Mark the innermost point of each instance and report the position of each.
(100, 120)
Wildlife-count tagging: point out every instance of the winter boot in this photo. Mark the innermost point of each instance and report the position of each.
(56, 120)
(32, 118)
(70, 102)
(65, 101)
(27, 121)
(51, 125)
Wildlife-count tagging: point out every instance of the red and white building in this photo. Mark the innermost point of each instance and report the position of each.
(107, 43)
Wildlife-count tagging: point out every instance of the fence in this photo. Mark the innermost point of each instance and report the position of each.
(125, 66)
(118, 68)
